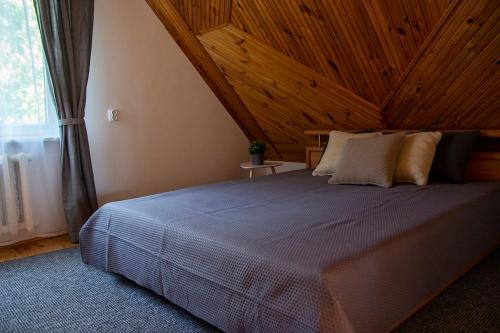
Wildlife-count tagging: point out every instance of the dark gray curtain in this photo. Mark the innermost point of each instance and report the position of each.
(66, 28)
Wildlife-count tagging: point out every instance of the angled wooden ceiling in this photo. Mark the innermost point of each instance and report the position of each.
(283, 66)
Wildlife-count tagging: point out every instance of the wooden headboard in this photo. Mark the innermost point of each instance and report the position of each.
(484, 164)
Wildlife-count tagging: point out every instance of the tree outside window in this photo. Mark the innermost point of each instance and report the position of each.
(26, 106)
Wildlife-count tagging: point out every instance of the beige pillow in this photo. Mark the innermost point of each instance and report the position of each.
(336, 143)
(369, 161)
(416, 156)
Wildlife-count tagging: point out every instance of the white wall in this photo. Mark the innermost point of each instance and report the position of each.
(173, 132)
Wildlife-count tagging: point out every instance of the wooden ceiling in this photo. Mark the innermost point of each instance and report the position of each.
(284, 66)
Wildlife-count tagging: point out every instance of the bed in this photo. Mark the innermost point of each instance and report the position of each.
(290, 253)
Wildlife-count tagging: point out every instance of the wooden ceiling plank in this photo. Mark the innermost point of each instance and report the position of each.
(189, 10)
(457, 66)
(288, 30)
(348, 60)
(251, 91)
(412, 11)
(324, 47)
(216, 12)
(300, 21)
(489, 111)
(256, 23)
(354, 31)
(301, 102)
(490, 117)
(466, 76)
(293, 152)
(182, 8)
(479, 105)
(402, 29)
(280, 130)
(201, 16)
(274, 109)
(331, 97)
(442, 50)
(434, 8)
(489, 91)
(262, 9)
(222, 11)
(333, 56)
(376, 60)
(397, 33)
(194, 15)
(409, 71)
(426, 19)
(392, 54)
(305, 30)
(410, 86)
(273, 117)
(235, 18)
(316, 41)
(352, 53)
(229, 4)
(439, 60)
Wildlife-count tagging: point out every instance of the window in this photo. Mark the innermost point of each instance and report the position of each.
(26, 104)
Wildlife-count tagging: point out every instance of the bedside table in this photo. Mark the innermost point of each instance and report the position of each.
(251, 167)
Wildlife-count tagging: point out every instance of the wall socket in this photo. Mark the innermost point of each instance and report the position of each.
(113, 114)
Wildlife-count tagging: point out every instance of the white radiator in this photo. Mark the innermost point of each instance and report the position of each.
(15, 195)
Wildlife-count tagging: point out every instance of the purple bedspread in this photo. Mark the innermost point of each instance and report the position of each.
(290, 253)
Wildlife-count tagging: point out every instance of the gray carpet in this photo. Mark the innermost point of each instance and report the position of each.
(55, 292)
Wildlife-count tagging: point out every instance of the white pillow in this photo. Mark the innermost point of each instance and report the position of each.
(416, 156)
(336, 143)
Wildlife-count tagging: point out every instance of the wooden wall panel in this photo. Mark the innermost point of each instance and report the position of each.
(363, 45)
(455, 83)
(285, 96)
(201, 15)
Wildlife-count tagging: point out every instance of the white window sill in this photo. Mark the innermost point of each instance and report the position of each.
(29, 139)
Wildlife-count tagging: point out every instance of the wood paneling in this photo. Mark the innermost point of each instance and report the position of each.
(363, 45)
(308, 64)
(199, 57)
(201, 15)
(455, 82)
(285, 96)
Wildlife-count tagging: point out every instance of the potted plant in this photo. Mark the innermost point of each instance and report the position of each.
(257, 149)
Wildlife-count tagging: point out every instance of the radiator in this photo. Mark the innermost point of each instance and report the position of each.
(15, 195)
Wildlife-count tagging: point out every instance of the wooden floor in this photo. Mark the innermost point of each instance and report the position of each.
(34, 247)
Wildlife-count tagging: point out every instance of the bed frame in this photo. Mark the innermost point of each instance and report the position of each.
(484, 164)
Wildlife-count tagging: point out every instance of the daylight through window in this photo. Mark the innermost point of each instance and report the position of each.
(26, 106)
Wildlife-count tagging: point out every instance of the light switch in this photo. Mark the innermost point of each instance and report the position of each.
(113, 114)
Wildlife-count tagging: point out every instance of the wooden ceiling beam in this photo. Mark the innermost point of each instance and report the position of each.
(196, 53)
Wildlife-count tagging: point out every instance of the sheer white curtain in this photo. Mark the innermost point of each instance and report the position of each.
(30, 196)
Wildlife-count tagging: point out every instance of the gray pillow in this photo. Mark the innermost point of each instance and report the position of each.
(369, 161)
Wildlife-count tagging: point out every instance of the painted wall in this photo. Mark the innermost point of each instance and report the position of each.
(172, 131)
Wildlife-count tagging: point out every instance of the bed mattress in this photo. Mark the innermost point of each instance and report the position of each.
(290, 253)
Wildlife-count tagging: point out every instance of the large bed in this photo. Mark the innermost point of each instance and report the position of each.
(290, 253)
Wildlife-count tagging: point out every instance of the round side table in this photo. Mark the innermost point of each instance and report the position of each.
(251, 167)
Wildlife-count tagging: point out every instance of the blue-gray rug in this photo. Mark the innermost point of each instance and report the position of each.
(56, 292)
